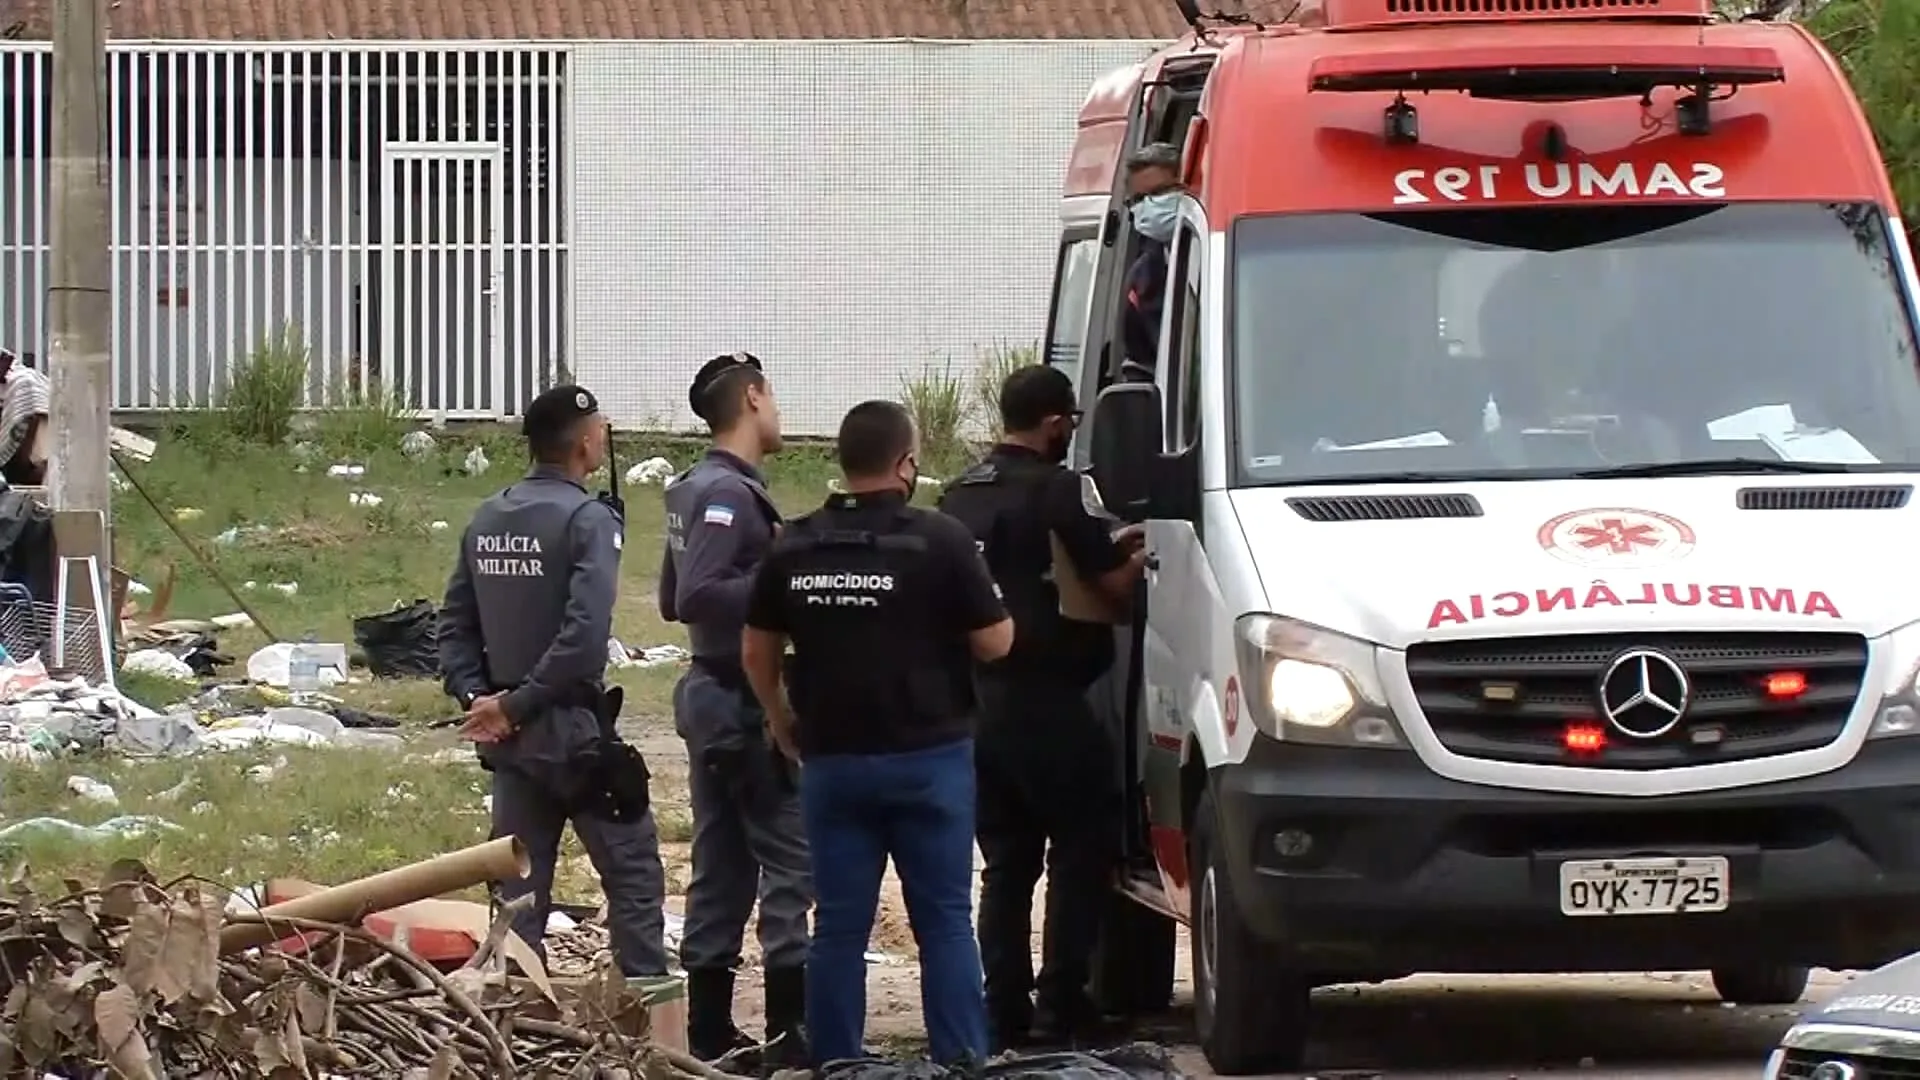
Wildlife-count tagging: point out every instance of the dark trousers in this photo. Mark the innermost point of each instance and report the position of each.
(626, 855)
(917, 809)
(1048, 800)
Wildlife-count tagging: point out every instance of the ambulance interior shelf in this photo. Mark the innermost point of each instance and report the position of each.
(1550, 72)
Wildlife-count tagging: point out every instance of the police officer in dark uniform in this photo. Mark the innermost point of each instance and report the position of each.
(523, 645)
(886, 607)
(1048, 792)
(747, 838)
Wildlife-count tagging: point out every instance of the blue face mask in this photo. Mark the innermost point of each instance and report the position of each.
(1157, 216)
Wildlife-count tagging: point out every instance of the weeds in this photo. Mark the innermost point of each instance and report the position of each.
(264, 392)
(996, 364)
(369, 418)
(942, 410)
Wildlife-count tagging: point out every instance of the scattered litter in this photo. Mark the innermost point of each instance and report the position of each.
(347, 472)
(437, 526)
(654, 470)
(476, 462)
(284, 588)
(158, 663)
(187, 513)
(118, 482)
(135, 588)
(622, 656)
(401, 643)
(309, 664)
(234, 534)
(86, 787)
(416, 444)
(232, 621)
(365, 498)
(117, 828)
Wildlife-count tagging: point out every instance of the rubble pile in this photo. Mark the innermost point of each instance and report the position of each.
(130, 980)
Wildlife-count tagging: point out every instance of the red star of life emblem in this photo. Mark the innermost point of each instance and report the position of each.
(1616, 536)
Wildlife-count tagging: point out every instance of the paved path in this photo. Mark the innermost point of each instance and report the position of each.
(1596, 1027)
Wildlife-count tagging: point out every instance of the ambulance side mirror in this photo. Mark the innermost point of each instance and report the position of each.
(1125, 437)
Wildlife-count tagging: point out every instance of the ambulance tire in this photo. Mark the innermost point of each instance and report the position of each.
(1760, 984)
(1251, 1014)
(1133, 966)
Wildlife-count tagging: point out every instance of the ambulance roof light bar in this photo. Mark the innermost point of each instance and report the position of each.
(1550, 73)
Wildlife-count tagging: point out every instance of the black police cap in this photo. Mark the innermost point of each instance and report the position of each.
(711, 373)
(554, 410)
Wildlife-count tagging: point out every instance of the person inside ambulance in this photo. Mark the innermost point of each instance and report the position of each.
(1153, 203)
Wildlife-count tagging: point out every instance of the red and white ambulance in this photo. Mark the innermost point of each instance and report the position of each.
(1528, 481)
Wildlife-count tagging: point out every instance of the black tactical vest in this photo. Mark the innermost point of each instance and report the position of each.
(1001, 501)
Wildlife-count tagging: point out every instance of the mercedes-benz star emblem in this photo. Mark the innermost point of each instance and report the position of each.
(1644, 693)
(1834, 1070)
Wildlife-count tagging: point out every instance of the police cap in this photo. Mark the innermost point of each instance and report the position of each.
(553, 412)
(711, 374)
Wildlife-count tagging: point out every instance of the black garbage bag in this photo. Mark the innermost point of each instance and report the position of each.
(1135, 1061)
(402, 643)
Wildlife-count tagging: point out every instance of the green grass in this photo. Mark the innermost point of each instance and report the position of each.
(213, 473)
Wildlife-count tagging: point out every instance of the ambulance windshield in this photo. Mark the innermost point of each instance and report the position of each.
(1516, 342)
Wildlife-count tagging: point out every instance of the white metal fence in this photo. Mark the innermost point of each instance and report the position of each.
(402, 206)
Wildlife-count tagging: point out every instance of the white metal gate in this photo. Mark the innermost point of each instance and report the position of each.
(441, 255)
(250, 183)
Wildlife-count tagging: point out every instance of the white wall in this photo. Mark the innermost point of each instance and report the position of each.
(851, 212)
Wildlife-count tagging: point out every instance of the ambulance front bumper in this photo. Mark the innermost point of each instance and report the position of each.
(1410, 871)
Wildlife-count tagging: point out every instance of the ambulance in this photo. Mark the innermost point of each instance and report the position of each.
(1527, 474)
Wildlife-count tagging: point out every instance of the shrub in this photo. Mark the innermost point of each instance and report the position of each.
(941, 405)
(996, 364)
(263, 392)
(367, 417)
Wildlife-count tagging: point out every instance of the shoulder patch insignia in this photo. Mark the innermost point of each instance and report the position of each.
(719, 515)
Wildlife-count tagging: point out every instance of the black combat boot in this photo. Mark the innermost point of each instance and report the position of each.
(710, 1031)
(786, 1019)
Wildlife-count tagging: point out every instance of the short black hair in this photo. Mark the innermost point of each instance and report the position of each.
(718, 394)
(873, 436)
(552, 445)
(1031, 394)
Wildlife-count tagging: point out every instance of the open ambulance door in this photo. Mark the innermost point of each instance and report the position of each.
(1133, 970)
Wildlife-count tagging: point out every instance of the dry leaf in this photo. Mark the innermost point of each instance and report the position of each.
(444, 1063)
(117, 1014)
(173, 948)
(76, 926)
(311, 1006)
(529, 962)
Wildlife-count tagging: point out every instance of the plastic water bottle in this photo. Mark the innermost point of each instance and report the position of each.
(303, 666)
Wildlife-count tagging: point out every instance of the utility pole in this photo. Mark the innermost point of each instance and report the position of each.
(80, 265)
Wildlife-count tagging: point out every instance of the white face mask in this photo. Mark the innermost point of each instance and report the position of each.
(1156, 216)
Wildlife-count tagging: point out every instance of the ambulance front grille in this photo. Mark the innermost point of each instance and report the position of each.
(1514, 699)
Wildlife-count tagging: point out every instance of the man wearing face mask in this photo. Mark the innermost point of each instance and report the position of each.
(886, 607)
(1049, 796)
(1153, 200)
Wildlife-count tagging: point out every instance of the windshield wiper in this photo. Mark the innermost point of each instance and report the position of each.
(1722, 466)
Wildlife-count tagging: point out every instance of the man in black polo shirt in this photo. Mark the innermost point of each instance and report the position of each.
(887, 607)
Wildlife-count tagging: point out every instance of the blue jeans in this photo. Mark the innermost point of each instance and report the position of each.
(918, 809)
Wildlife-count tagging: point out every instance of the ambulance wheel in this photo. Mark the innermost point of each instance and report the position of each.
(1133, 964)
(1251, 1013)
(1760, 985)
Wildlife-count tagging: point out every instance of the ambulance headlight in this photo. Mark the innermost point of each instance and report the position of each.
(1308, 684)
(1899, 712)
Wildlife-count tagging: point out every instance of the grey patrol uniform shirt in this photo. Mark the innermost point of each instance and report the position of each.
(719, 527)
(529, 609)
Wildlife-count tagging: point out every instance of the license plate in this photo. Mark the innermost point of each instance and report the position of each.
(1643, 886)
